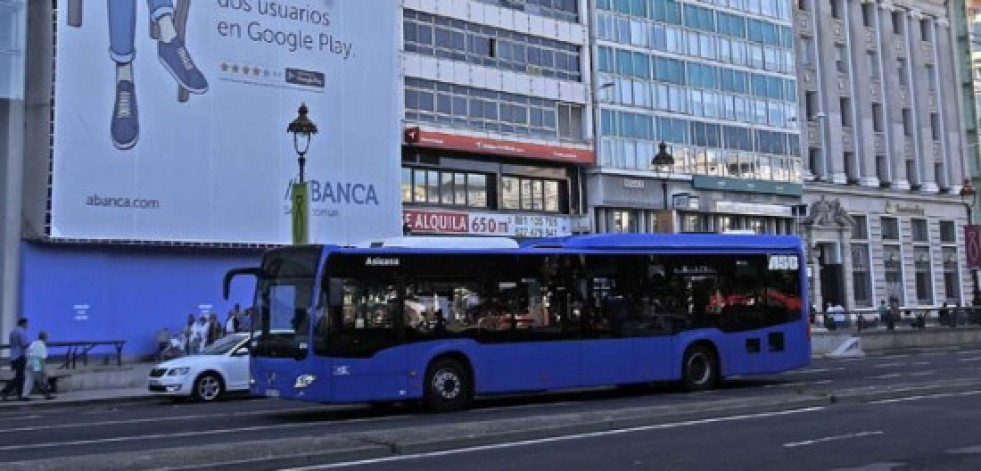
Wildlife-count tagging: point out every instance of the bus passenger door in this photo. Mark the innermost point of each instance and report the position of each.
(366, 361)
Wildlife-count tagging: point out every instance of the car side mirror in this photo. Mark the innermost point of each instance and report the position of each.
(241, 352)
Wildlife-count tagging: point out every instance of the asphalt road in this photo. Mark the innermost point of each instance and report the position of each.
(38, 433)
(934, 432)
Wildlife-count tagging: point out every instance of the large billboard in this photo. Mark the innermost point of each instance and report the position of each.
(170, 119)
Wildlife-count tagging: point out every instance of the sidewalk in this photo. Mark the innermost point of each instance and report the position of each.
(81, 397)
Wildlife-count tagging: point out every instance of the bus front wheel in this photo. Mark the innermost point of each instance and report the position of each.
(448, 386)
(700, 370)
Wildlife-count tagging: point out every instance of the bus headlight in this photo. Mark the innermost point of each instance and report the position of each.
(304, 381)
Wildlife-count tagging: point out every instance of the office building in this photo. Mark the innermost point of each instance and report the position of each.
(717, 83)
(880, 100)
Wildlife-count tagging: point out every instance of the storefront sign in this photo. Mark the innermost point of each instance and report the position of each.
(486, 224)
(704, 182)
(904, 210)
(633, 183)
(417, 137)
(754, 209)
(972, 246)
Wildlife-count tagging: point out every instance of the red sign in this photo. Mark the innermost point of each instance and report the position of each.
(436, 222)
(416, 137)
(421, 221)
(972, 246)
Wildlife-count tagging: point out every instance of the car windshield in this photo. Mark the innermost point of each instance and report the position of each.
(224, 345)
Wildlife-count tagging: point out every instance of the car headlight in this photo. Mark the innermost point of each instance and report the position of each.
(178, 371)
(304, 381)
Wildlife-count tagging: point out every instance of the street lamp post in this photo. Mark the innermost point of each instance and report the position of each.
(967, 197)
(664, 164)
(302, 130)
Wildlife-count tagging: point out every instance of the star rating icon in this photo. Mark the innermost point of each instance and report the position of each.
(247, 70)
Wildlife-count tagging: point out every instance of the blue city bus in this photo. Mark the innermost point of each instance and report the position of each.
(442, 320)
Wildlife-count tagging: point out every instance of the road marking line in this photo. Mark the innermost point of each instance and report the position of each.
(833, 438)
(969, 359)
(925, 396)
(673, 425)
(807, 371)
(889, 365)
(923, 373)
(106, 423)
(920, 363)
(893, 357)
(970, 450)
(158, 436)
(886, 376)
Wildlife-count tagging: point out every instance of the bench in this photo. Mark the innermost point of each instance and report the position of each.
(79, 349)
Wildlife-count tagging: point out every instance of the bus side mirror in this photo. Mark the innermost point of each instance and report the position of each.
(241, 352)
(254, 271)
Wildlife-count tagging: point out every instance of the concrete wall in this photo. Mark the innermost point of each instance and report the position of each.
(822, 344)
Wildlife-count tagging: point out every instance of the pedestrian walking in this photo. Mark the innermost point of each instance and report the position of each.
(187, 335)
(199, 335)
(37, 356)
(215, 329)
(893, 315)
(18, 352)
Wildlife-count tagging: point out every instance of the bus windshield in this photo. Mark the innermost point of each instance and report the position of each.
(283, 297)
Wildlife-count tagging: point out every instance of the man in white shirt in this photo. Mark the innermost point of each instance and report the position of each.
(199, 335)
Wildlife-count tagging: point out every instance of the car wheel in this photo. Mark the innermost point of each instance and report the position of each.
(700, 369)
(448, 386)
(208, 387)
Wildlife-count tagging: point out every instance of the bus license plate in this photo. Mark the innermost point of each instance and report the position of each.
(272, 393)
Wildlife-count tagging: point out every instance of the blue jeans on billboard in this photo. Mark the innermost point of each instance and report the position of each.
(171, 52)
(122, 25)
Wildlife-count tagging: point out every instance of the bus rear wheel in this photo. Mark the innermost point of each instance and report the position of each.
(448, 386)
(700, 369)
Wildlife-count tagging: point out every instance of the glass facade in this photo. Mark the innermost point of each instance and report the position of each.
(714, 79)
(13, 24)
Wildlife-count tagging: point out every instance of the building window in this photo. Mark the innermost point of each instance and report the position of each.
(907, 122)
(531, 194)
(846, 112)
(890, 229)
(485, 110)
(920, 231)
(841, 59)
(892, 260)
(901, 72)
(476, 44)
(836, 8)
(878, 120)
(948, 232)
(898, 21)
(868, 15)
(622, 221)
(924, 283)
(952, 279)
(570, 121)
(873, 58)
(565, 10)
(860, 231)
(861, 275)
(444, 187)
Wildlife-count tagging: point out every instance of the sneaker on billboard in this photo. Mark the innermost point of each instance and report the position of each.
(177, 61)
(125, 119)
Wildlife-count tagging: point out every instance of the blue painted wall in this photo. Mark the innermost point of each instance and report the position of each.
(131, 292)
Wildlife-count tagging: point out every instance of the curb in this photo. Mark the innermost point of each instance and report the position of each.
(41, 403)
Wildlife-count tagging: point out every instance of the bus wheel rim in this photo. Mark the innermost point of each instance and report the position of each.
(447, 384)
(698, 369)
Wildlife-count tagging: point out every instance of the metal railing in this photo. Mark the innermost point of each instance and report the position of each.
(902, 318)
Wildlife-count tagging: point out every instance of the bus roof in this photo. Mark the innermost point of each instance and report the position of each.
(667, 241)
(422, 242)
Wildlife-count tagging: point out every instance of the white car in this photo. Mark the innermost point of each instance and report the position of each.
(222, 368)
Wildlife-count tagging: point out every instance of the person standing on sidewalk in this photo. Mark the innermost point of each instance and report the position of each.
(37, 355)
(18, 350)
